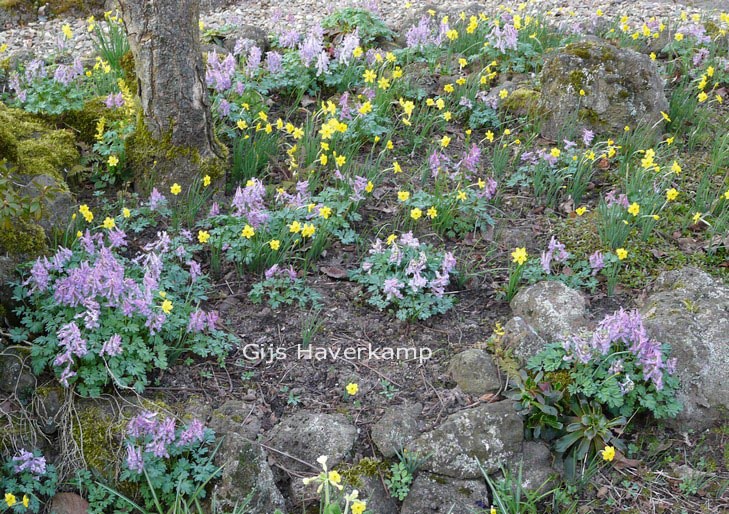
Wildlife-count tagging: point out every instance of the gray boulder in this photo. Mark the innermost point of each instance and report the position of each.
(537, 472)
(308, 435)
(489, 434)
(622, 87)
(552, 309)
(521, 339)
(689, 310)
(433, 494)
(397, 427)
(475, 372)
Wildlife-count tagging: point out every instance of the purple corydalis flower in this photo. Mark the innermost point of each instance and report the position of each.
(219, 73)
(471, 159)
(156, 199)
(134, 460)
(504, 39)
(587, 136)
(274, 62)
(597, 262)
(198, 321)
(112, 347)
(114, 101)
(419, 35)
(253, 63)
(391, 288)
(224, 107)
(27, 461)
(194, 432)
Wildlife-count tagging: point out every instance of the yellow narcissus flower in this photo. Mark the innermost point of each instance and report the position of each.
(10, 499)
(370, 186)
(580, 211)
(175, 189)
(206, 180)
(203, 236)
(403, 196)
(109, 223)
(391, 239)
(295, 227)
(352, 388)
(519, 256)
(622, 253)
(67, 32)
(325, 212)
(671, 194)
(634, 209)
(308, 230)
(26, 501)
(126, 212)
(274, 244)
(445, 141)
(416, 214)
(248, 232)
(432, 213)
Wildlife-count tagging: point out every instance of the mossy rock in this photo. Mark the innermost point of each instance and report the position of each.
(593, 84)
(23, 238)
(33, 146)
(83, 122)
(522, 101)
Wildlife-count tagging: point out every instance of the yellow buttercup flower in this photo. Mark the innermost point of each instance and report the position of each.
(206, 180)
(352, 388)
(126, 212)
(403, 196)
(580, 211)
(167, 306)
(671, 194)
(608, 454)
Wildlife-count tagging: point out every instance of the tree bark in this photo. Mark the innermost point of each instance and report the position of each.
(164, 41)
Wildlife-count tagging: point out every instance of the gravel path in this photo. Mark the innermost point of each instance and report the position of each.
(44, 37)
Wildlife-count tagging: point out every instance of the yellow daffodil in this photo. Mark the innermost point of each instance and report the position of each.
(352, 388)
(519, 256)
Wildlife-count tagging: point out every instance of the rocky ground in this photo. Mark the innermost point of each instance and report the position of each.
(41, 34)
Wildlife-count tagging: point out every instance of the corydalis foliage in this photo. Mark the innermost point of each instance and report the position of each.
(100, 316)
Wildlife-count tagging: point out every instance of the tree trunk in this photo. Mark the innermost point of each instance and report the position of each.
(164, 41)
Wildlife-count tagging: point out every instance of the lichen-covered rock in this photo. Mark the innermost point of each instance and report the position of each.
(397, 427)
(249, 473)
(537, 472)
(522, 101)
(15, 375)
(521, 339)
(246, 37)
(309, 435)
(689, 310)
(434, 494)
(621, 87)
(475, 372)
(552, 309)
(489, 434)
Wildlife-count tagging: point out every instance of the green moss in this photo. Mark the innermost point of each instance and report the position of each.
(153, 161)
(130, 75)
(577, 79)
(83, 122)
(581, 50)
(366, 467)
(522, 101)
(23, 238)
(591, 116)
(98, 433)
(33, 146)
